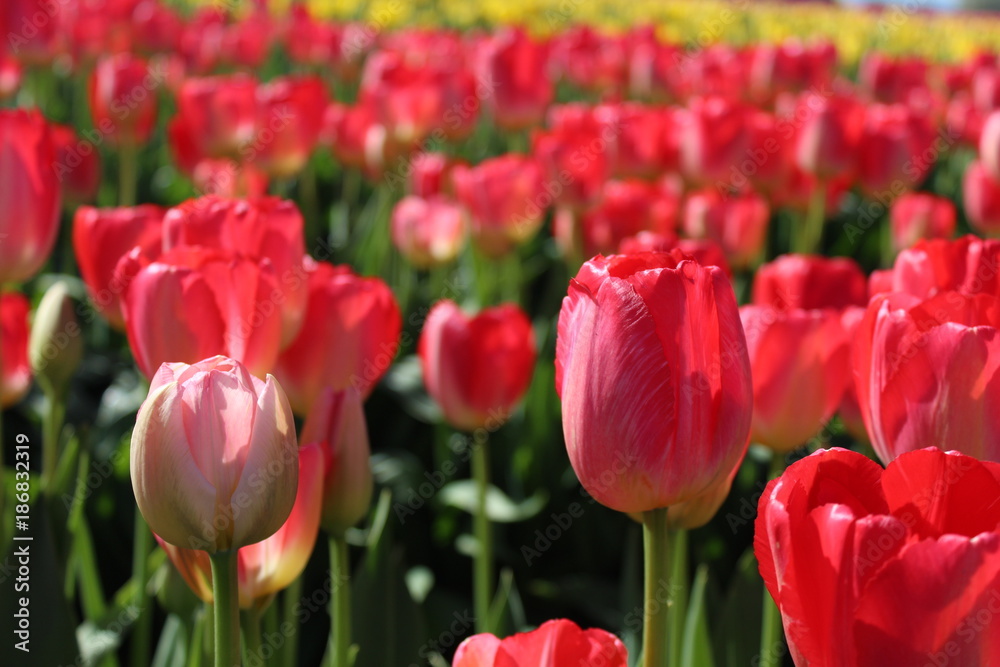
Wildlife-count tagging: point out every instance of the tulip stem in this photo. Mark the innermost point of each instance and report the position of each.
(290, 599)
(678, 593)
(811, 232)
(483, 563)
(227, 609)
(340, 605)
(657, 545)
(141, 544)
(51, 429)
(770, 628)
(252, 649)
(127, 173)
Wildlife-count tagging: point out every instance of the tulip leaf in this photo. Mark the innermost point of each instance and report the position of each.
(405, 381)
(506, 611)
(696, 648)
(500, 508)
(738, 631)
(172, 648)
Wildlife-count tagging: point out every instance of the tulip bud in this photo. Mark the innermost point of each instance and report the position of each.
(56, 346)
(554, 643)
(337, 423)
(214, 459)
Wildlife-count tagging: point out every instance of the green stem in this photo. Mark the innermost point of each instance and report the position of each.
(51, 430)
(225, 594)
(141, 544)
(127, 173)
(483, 565)
(771, 634)
(290, 599)
(678, 593)
(250, 623)
(340, 605)
(310, 201)
(657, 543)
(811, 233)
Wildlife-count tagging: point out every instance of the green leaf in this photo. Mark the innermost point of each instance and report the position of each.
(506, 611)
(738, 632)
(173, 646)
(500, 508)
(696, 649)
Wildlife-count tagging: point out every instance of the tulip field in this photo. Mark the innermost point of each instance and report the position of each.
(521, 333)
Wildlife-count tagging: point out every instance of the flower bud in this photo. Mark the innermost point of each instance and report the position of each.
(55, 347)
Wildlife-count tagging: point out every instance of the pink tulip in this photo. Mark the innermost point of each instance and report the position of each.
(214, 460)
(428, 232)
(558, 643)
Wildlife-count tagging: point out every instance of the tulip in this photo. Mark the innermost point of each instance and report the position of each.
(828, 138)
(477, 368)
(191, 303)
(645, 138)
(269, 566)
(33, 41)
(218, 113)
(989, 145)
(849, 410)
(214, 459)
(699, 510)
(589, 59)
(226, 178)
(663, 331)
(428, 232)
(703, 251)
(10, 75)
(30, 196)
(349, 336)
(871, 567)
(624, 209)
(920, 215)
(353, 133)
(892, 150)
(924, 373)
(267, 228)
(289, 120)
(77, 165)
(506, 201)
(429, 174)
(574, 159)
(799, 361)
(15, 372)
(738, 223)
(981, 194)
(969, 265)
(518, 67)
(892, 80)
(553, 644)
(123, 98)
(101, 237)
(713, 138)
(55, 348)
(809, 282)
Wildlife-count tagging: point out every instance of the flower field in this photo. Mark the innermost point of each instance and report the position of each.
(544, 333)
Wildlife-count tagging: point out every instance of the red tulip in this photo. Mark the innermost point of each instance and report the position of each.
(218, 114)
(738, 223)
(705, 252)
(354, 135)
(640, 335)
(849, 410)
(29, 194)
(429, 174)
(896, 567)
(892, 79)
(268, 229)
(267, 567)
(518, 68)
(553, 644)
(921, 215)
(828, 135)
(589, 59)
(799, 360)
(101, 237)
(337, 423)
(15, 372)
(893, 149)
(506, 200)
(123, 98)
(808, 282)
(926, 373)
(428, 232)
(790, 67)
(624, 209)
(78, 165)
(226, 178)
(349, 337)
(646, 142)
(289, 119)
(10, 75)
(32, 29)
(981, 194)
(969, 265)
(247, 41)
(193, 302)
(477, 368)
(574, 155)
(713, 138)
